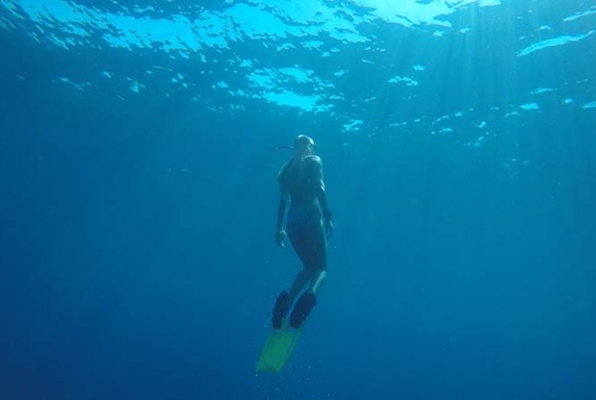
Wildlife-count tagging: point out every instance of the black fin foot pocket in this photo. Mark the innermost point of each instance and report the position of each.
(302, 308)
(282, 306)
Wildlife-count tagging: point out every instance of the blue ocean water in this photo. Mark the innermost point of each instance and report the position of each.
(138, 197)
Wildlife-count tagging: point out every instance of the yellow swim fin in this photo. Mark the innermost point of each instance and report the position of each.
(278, 349)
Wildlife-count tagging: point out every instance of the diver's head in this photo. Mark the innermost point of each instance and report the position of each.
(303, 146)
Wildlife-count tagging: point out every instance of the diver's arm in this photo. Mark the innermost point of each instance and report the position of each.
(284, 197)
(322, 196)
(281, 213)
(327, 223)
(280, 234)
(317, 175)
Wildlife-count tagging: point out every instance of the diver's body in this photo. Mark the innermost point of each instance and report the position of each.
(308, 226)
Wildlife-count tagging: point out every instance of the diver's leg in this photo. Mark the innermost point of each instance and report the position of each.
(286, 299)
(281, 308)
(308, 300)
(302, 309)
(302, 242)
(317, 281)
(299, 282)
(310, 244)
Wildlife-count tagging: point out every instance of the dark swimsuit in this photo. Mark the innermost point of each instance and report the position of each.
(304, 218)
(305, 229)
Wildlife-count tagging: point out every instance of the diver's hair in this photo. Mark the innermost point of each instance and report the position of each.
(303, 140)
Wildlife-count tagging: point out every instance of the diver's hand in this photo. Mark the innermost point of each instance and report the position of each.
(329, 227)
(280, 238)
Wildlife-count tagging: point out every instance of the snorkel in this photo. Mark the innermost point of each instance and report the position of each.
(283, 147)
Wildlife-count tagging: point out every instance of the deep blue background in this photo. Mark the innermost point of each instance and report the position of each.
(137, 256)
